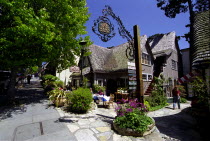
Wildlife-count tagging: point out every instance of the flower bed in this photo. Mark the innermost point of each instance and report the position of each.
(131, 119)
(130, 132)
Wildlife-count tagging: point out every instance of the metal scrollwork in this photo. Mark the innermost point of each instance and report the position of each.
(103, 28)
(130, 51)
(106, 30)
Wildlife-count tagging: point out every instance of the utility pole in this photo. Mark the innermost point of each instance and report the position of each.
(137, 47)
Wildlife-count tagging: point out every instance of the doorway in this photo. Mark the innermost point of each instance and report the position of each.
(111, 86)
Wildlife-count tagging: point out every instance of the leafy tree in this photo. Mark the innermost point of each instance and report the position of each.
(32, 70)
(35, 31)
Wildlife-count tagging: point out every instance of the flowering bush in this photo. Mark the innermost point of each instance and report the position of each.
(132, 114)
(126, 106)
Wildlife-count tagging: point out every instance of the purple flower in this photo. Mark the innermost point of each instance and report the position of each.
(130, 106)
(124, 101)
(120, 114)
(118, 103)
(129, 110)
(117, 108)
(133, 104)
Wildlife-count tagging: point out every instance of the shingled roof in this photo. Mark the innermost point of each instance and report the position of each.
(163, 44)
(112, 59)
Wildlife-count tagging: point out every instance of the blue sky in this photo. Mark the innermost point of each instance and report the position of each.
(144, 13)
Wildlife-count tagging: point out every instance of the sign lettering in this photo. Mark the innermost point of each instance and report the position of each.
(74, 69)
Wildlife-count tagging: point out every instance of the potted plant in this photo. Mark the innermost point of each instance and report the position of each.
(57, 96)
(98, 88)
(131, 119)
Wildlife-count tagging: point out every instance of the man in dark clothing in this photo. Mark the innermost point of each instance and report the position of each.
(176, 97)
(28, 78)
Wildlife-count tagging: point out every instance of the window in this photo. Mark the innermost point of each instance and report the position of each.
(149, 77)
(174, 65)
(146, 59)
(146, 77)
(100, 82)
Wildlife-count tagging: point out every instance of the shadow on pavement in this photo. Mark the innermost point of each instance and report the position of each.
(30, 95)
(24, 96)
(106, 119)
(181, 126)
(169, 107)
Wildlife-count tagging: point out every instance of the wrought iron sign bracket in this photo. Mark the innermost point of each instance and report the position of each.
(105, 30)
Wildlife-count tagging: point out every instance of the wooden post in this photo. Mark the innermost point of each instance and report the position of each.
(137, 46)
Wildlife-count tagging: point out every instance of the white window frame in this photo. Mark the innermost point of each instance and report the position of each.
(147, 76)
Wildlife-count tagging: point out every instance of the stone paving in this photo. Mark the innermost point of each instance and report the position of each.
(37, 120)
(96, 125)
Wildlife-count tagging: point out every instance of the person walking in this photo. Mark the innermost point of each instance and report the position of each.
(176, 97)
(28, 79)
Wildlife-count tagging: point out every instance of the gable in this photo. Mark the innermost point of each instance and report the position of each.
(113, 59)
(163, 42)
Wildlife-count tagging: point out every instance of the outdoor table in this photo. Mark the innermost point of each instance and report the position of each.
(120, 95)
(102, 98)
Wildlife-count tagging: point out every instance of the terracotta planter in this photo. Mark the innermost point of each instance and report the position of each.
(131, 132)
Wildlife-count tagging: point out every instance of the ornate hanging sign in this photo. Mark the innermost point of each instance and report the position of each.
(105, 30)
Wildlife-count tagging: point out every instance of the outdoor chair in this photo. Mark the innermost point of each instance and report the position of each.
(111, 100)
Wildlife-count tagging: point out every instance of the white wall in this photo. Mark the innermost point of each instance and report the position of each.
(65, 74)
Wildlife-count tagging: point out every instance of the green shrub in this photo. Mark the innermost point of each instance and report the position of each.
(158, 96)
(49, 77)
(200, 89)
(146, 103)
(59, 83)
(50, 83)
(134, 121)
(157, 107)
(97, 88)
(156, 99)
(48, 80)
(183, 100)
(80, 100)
